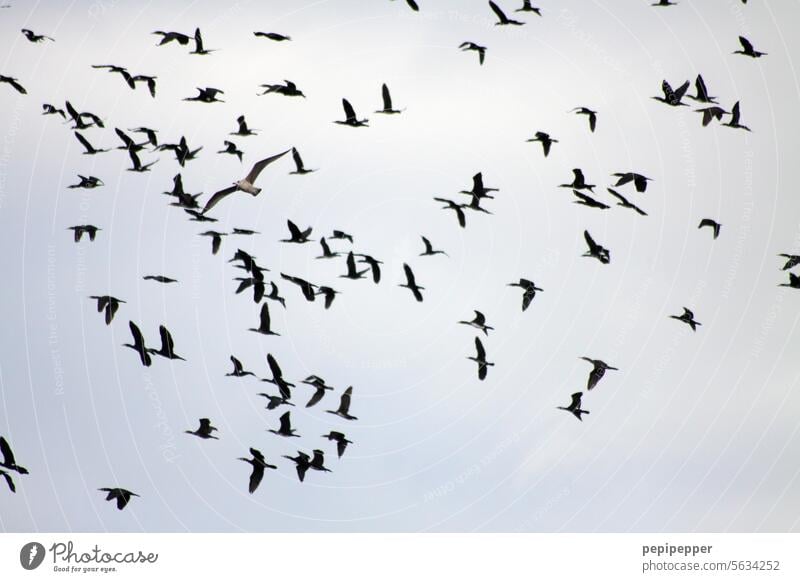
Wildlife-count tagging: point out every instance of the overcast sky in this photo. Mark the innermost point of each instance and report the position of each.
(695, 432)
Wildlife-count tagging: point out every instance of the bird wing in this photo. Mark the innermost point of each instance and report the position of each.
(681, 91)
(480, 318)
(137, 163)
(746, 44)
(293, 230)
(617, 195)
(576, 400)
(205, 425)
(84, 142)
(286, 423)
(237, 365)
(167, 345)
(592, 121)
(351, 264)
(265, 321)
(414, 7)
(10, 482)
(349, 112)
(124, 137)
(8, 455)
(255, 477)
(344, 401)
(298, 161)
(387, 98)
(590, 241)
(214, 200)
(735, 114)
(527, 297)
(409, 276)
(316, 397)
(500, 14)
(700, 86)
(259, 166)
(479, 348)
(277, 374)
(138, 338)
(17, 86)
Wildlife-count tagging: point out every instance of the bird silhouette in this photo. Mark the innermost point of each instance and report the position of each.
(592, 115)
(747, 49)
(529, 288)
(598, 371)
(33, 37)
(344, 406)
(9, 462)
(231, 149)
(578, 182)
(701, 92)
(575, 406)
(90, 150)
(714, 225)
(245, 185)
(545, 140)
(387, 102)
(622, 201)
(457, 208)
(672, 97)
(167, 349)
(471, 46)
(199, 49)
(264, 322)
(259, 464)
(527, 7)
(242, 128)
(429, 251)
(791, 261)
(341, 235)
(122, 496)
(79, 230)
(480, 359)
(502, 19)
(350, 116)
(285, 429)
(159, 279)
(734, 121)
(585, 200)
(411, 283)
(639, 181)
(277, 378)
(48, 109)
(308, 289)
(687, 317)
(319, 389)
(137, 164)
(352, 270)
(329, 293)
(216, 239)
(9, 481)
(167, 37)
(327, 253)
(238, 369)
(596, 251)
(302, 462)
(374, 265)
(296, 235)
(87, 182)
(272, 36)
(204, 430)
(340, 440)
(300, 168)
(288, 89)
(479, 322)
(108, 304)
(318, 461)
(794, 282)
(709, 113)
(206, 95)
(14, 83)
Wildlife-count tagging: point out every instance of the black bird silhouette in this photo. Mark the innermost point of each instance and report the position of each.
(149, 80)
(277, 378)
(624, 202)
(374, 265)
(747, 49)
(108, 304)
(702, 95)
(127, 141)
(672, 97)
(545, 140)
(206, 95)
(264, 322)
(275, 296)
(216, 239)
(48, 109)
(598, 371)
(272, 36)
(585, 200)
(320, 388)
(243, 130)
(285, 429)
(238, 369)
(259, 464)
(87, 182)
(152, 135)
(258, 286)
(122, 496)
(709, 113)
(478, 189)
(340, 440)
(387, 102)
(471, 46)
(9, 481)
(575, 406)
(159, 279)
(14, 83)
(530, 290)
(77, 118)
(734, 121)
(300, 169)
(527, 7)
(9, 462)
(303, 462)
(33, 37)
(639, 181)
(89, 229)
(306, 287)
(341, 235)
(167, 349)
(274, 401)
(502, 19)
(121, 70)
(297, 236)
(329, 293)
(578, 182)
(199, 49)
(350, 116)
(90, 150)
(479, 322)
(318, 461)
(327, 253)
(137, 164)
(458, 208)
(591, 114)
(230, 148)
(245, 185)
(595, 250)
(664, 3)
(480, 359)
(791, 261)
(688, 318)
(411, 283)
(167, 37)
(204, 430)
(288, 89)
(244, 231)
(344, 405)
(715, 226)
(352, 270)
(429, 251)
(794, 282)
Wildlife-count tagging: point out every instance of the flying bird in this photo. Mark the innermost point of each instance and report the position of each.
(591, 114)
(471, 46)
(89, 229)
(204, 430)
(344, 406)
(243, 130)
(149, 80)
(458, 208)
(598, 371)
(297, 236)
(319, 389)
(429, 251)
(479, 322)
(167, 349)
(14, 83)
(121, 70)
(502, 19)
(673, 97)
(327, 253)
(586, 200)
(411, 283)
(318, 461)
(87, 182)
(33, 37)
(167, 37)
(350, 116)
(709, 113)
(302, 462)
(199, 49)
(595, 250)
(300, 169)
(639, 181)
(230, 148)
(259, 464)
(701, 91)
(272, 36)
(277, 378)
(575, 406)
(9, 462)
(545, 140)
(9, 481)
(387, 102)
(90, 150)
(714, 225)
(687, 317)
(245, 185)
(791, 261)
(747, 49)
(108, 304)
(122, 496)
(578, 182)
(264, 322)
(794, 282)
(48, 109)
(352, 270)
(305, 287)
(374, 265)
(480, 359)
(137, 163)
(340, 440)
(216, 239)
(288, 89)
(238, 369)
(624, 202)
(159, 279)
(340, 235)
(207, 95)
(285, 429)
(329, 293)
(529, 288)
(734, 121)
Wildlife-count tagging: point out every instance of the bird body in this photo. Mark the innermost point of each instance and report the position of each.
(575, 406)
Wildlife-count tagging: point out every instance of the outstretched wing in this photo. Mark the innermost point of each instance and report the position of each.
(387, 98)
(349, 112)
(259, 166)
(214, 200)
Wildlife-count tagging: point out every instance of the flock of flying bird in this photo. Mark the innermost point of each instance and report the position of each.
(357, 265)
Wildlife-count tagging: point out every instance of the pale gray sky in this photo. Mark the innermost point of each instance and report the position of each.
(696, 432)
